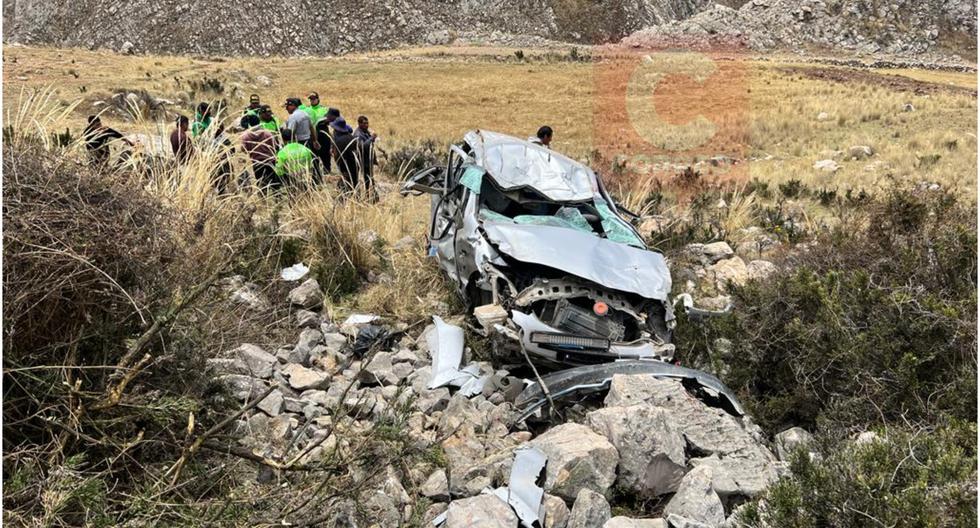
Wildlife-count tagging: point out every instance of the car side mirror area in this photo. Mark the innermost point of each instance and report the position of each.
(425, 181)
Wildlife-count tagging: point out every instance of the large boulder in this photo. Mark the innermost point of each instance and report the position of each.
(717, 251)
(486, 511)
(578, 458)
(590, 509)
(696, 499)
(706, 430)
(732, 270)
(651, 449)
(436, 487)
(307, 295)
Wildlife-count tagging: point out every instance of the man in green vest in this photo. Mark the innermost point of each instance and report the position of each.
(269, 121)
(251, 110)
(202, 120)
(318, 113)
(294, 160)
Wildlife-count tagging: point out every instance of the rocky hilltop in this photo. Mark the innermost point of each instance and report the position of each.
(899, 27)
(306, 27)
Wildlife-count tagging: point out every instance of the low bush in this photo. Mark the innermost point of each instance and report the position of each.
(874, 323)
(904, 478)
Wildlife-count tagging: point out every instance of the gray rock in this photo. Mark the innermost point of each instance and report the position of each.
(334, 341)
(679, 521)
(431, 401)
(306, 319)
(860, 152)
(436, 487)
(732, 270)
(696, 499)
(272, 404)
(302, 378)
(626, 522)
(716, 251)
(378, 371)
(381, 509)
(256, 362)
(578, 458)
(590, 509)
(307, 295)
(826, 165)
(790, 440)
(706, 430)
(555, 512)
(651, 450)
(485, 511)
(760, 269)
(242, 387)
(405, 356)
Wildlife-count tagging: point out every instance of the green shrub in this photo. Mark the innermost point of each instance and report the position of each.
(904, 479)
(873, 323)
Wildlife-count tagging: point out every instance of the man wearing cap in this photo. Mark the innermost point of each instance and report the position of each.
(269, 121)
(300, 125)
(322, 127)
(251, 110)
(294, 160)
(345, 154)
(315, 110)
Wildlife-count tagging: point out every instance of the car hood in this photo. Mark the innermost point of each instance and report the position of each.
(610, 264)
(514, 163)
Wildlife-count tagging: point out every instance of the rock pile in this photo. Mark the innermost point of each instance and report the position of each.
(306, 27)
(900, 27)
(649, 437)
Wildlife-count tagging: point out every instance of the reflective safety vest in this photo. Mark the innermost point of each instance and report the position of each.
(272, 126)
(294, 158)
(315, 112)
(199, 125)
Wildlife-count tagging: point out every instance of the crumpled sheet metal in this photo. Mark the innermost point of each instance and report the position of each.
(593, 378)
(523, 492)
(611, 264)
(514, 163)
(446, 346)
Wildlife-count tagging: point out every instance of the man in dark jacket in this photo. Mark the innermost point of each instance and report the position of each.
(345, 154)
(97, 138)
(365, 150)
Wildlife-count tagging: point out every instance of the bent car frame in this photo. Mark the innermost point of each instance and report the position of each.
(542, 255)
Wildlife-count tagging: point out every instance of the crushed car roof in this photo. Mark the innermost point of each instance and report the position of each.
(515, 163)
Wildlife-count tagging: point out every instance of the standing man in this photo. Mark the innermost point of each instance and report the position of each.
(202, 119)
(317, 113)
(300, 125)
(294, 160)
(365, 150)
(251, 110)
(179, 142)
(261, 147)
(268, 121)
(97, 138)
(345, 154)
(544, 137)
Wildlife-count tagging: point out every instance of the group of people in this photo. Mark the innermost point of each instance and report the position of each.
(304, 148)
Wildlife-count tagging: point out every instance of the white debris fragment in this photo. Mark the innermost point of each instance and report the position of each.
(295, 272)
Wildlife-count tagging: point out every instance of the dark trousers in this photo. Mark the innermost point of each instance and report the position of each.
(266, 177)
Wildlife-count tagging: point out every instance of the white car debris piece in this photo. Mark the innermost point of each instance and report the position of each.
(360, 319)
(295, 272)
(446, 347)
(523, 492)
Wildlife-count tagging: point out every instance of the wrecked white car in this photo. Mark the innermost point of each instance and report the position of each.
(542, 255)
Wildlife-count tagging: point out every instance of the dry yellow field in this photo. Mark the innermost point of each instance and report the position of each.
(441, 92)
